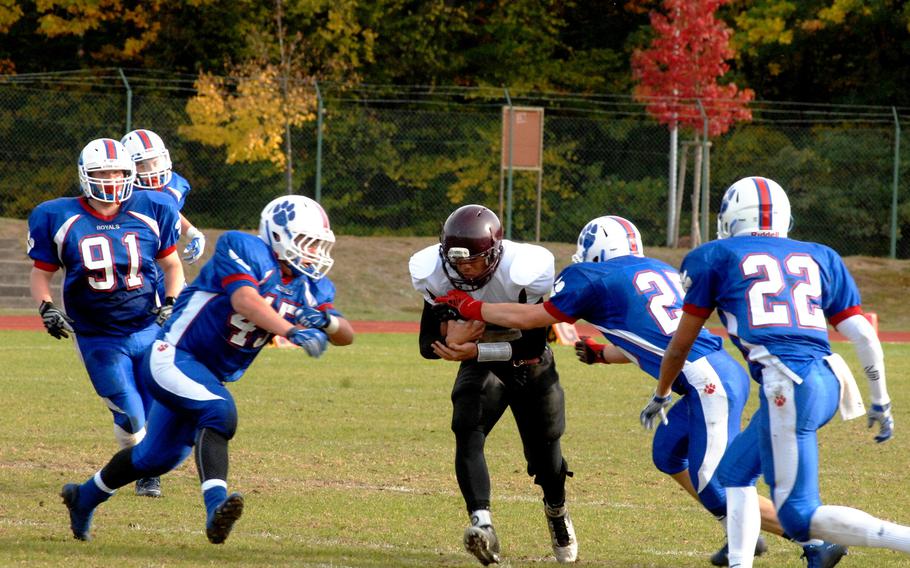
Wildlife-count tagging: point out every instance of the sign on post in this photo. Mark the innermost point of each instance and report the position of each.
(522, 149)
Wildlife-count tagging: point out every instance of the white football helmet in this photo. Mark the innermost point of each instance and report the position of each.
(607, 237)
(297, 229)
(103, 155)
(153, 161)
(754, 206)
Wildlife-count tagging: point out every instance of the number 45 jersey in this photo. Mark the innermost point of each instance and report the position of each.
(205, 324)
(772, 294)
(109, 262)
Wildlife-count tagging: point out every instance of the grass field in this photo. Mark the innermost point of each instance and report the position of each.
(347, 461)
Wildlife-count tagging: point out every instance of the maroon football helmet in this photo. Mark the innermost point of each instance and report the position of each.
(471, 232)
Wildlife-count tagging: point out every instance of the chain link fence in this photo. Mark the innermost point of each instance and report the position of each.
(396, 160)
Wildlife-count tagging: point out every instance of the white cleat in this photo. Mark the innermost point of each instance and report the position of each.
(562, 533)
(481, 541)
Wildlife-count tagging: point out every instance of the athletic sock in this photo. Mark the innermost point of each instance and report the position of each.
(852, 527)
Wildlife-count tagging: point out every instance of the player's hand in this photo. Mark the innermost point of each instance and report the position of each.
(881, 413)
(467, 306)
(444, 312)
(57, 323)
(589, 351)
(196, 246)
(455, 351)
(311, 317)
(313, 341)
(657, 406)
(460, 331)
(164, 311)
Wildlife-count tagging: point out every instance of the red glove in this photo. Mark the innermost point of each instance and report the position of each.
(589, 351)
(467, 306)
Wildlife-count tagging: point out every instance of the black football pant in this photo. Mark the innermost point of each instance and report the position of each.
(480, 396)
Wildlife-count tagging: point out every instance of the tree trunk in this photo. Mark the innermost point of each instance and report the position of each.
(680, 192)
(696, 195)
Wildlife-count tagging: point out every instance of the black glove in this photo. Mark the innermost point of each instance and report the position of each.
(57, 323)
(164, 312)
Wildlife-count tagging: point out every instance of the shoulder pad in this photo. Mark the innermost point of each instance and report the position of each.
(422, 265)
(530, 263)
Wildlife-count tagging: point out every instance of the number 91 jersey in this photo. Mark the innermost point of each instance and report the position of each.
(109, 262)
(772, 294)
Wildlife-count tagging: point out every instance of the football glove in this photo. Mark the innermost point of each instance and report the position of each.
(467, 306)
(589, 351)
(164, 311)
(881, 413)
(313, 341)
(316, 319)
(657, 406)
(57, 323)
(195, 247)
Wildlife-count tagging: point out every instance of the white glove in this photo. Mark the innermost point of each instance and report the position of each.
(196, 246)
(657, 406)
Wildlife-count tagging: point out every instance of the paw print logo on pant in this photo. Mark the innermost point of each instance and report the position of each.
(283, 213)
(780, 400)
(710, 388)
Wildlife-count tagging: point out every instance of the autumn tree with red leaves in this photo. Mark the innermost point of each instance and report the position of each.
(687, 56)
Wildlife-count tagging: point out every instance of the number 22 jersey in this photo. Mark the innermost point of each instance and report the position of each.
(773, 294)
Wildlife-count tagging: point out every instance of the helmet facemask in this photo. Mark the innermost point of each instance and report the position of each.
(461, 256)
(152, 158)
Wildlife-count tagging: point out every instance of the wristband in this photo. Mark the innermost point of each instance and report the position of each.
(333, 325)
(193, 233)
(499, 351)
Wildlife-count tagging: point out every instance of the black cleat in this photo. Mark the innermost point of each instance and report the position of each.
(223, 518)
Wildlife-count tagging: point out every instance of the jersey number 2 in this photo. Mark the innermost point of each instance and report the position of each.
(663, 303)
(770, 302)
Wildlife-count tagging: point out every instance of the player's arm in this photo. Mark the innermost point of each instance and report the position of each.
(174, 279)
(589, 351)
(196, 246)
(431, 331)
(677, 351)
(337, 328)
(40, 285)
(869, 351)
(247, 302)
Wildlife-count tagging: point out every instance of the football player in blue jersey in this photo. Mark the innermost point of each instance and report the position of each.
(253, 288)
(636, 302)
(113, 245)
(775, 296)
(154, 171)
(499, 367)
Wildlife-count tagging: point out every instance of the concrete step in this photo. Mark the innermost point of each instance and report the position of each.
(13, 249)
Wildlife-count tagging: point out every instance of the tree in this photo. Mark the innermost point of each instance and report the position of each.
(679, 72)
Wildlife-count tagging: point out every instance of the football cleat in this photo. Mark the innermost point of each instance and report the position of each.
(219, 526)
(148, 487)
(720, 558)
(80, 520)
(562, 533)
(823, 555)
(481, 541)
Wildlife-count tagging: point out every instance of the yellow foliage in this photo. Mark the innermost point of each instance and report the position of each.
(10, 12)
(247, 114)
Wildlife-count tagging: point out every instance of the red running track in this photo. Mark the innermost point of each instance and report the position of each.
(33, 323)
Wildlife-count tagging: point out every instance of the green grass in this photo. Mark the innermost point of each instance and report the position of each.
(347, 461)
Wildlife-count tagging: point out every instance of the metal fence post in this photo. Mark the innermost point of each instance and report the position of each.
(129, 101)
(897, 167)
(509, 183)
(318, 142)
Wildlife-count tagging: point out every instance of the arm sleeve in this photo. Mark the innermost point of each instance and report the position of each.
(429, 332)
(861, 334)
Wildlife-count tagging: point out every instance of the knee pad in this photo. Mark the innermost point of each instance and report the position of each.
(125, 439)
(542, 478)
(796, 521)
(221, 416)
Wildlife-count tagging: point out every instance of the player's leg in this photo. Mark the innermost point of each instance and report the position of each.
(110, 368)
(137, 346)
(164, 448)
(190, 389)
(538, 405)
(478, 401)
(816, 402)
